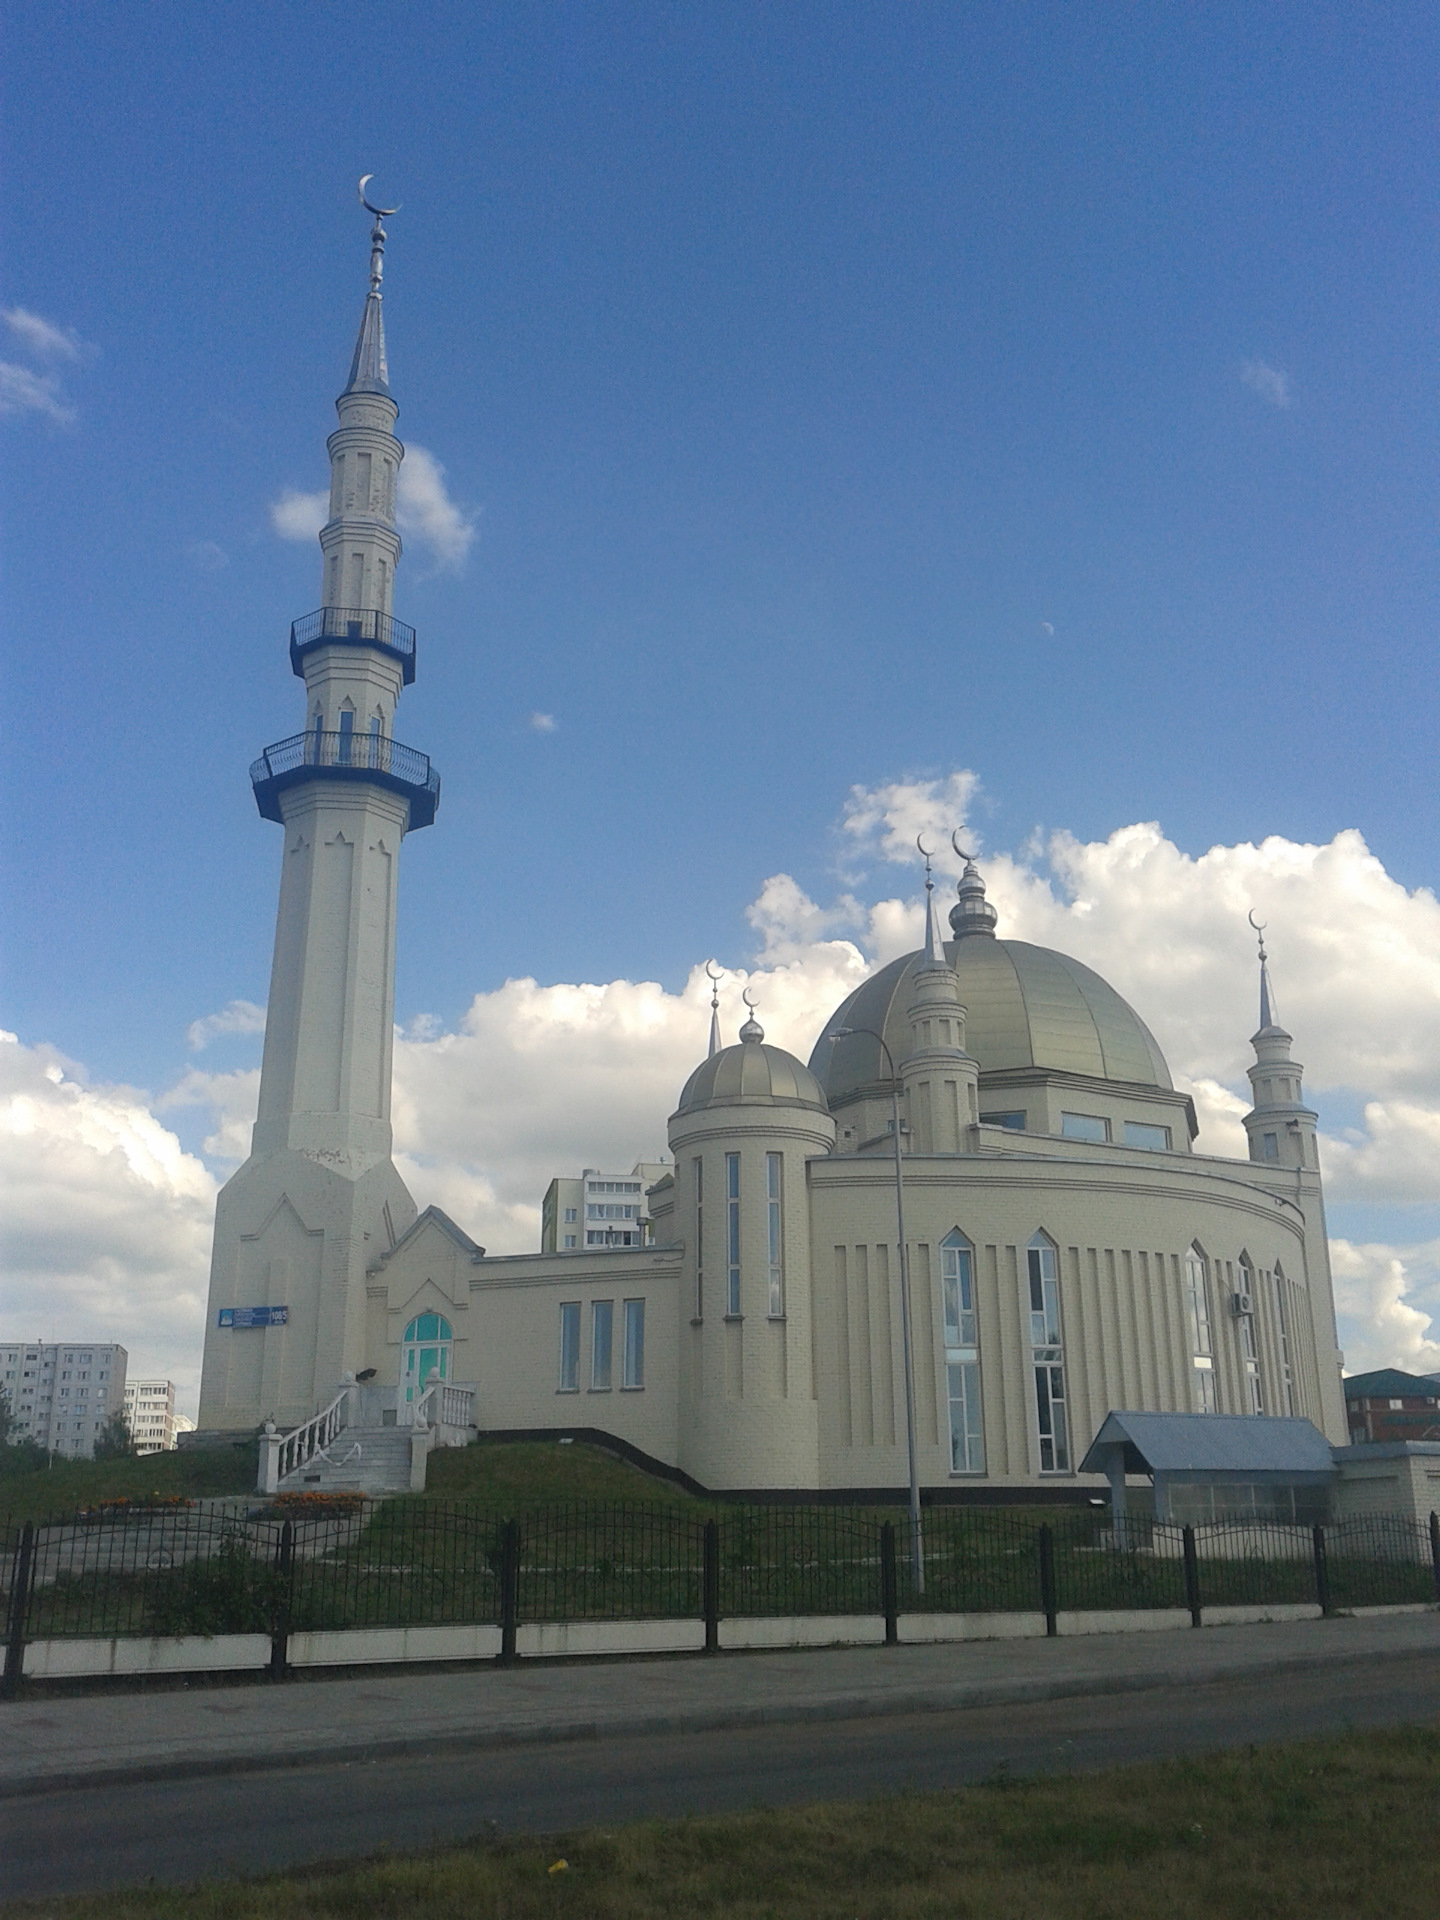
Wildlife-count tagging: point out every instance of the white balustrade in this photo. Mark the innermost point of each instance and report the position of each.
(282, 1454)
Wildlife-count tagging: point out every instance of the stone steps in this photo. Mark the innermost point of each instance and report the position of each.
(358, 1460)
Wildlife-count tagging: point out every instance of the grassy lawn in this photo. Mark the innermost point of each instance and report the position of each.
(1338, 1827)
(35, 1492)
(509, 1474)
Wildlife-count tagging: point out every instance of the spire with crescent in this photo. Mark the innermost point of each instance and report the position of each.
(1267, 996)
(368, 371)
(714, 979)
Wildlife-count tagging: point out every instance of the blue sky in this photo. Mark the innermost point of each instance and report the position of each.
(839, 396)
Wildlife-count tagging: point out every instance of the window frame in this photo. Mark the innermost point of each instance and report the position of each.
(602, 1313)
(632, 1378)
(1047, 1357)
(963, 1388)
(775, 1232)
(569, 1357)
(732, 1237)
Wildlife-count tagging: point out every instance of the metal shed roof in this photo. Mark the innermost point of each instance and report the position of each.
(1218, 1443)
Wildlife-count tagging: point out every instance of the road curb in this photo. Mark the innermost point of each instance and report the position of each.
(858, 1705)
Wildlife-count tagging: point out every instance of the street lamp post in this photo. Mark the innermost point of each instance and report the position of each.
(917, 1544)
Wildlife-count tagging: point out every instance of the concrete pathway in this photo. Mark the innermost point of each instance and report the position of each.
(56, 1741)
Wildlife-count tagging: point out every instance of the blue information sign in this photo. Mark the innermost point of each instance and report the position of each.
(254, 1316)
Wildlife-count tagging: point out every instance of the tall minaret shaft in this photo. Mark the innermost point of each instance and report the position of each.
(319, 1199)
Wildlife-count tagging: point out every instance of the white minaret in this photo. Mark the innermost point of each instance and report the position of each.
(319, 1199)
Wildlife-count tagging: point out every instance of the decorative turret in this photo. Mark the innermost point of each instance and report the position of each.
(1280, 1127)
(972, 912)
(939, 1078)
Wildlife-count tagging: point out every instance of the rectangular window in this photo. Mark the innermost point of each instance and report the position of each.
(570, 1346)
(569, 1240)
(962, 1358)
(1084, 1126)
(1270, 1146)
(1197, 1314)
(1151, 1139)
(602, 1326)
(634, 1343)
(699, 1166)
(732, 1233)
(1015, 1122)
(773, 1178)
(1282, 1332)
(569, 1215)
(1250, 1353)
(1048, 1358)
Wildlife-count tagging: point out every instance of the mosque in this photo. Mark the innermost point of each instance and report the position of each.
(1065, 1252)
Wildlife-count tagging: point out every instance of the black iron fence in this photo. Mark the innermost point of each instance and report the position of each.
(205, 1571)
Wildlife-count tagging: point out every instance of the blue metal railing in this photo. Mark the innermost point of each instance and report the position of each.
(357, 626)
(347, 755)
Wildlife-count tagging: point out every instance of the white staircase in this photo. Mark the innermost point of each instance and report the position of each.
(373, 1460)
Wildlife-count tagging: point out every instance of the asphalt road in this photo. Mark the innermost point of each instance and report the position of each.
(223, 1825)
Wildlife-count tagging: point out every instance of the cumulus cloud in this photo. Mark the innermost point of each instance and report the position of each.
(300, 516)
(424, 511)
(22, 391)
(539, 1079)
(542, 722)
(237, 1016)
(105, 1221)
(1269, 382)
(886, 820)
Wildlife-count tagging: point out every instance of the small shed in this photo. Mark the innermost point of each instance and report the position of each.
(1216, 1466)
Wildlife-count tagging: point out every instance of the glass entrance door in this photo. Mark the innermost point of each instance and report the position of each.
(425, 1355)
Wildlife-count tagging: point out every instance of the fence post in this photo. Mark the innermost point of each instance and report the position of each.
(1435, 1548)
(710, 1586)
(1192, 1575)
(1322, 1571)
(889, 1594)
(19, 1607)
(1047, 1580)
(280, 1621)
(509, 1589)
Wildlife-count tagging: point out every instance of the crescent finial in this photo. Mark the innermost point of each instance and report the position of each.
(748, 998)
(955, 843)
(716, 977)
(1258, 925)
(380, 213)
(926, 853)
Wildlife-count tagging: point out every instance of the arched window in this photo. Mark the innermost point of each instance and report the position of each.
(1282, 1337)
(962, 1353)
(1197, 1318)
(1249, 1343)
(425, 1354)
(1047, 1355)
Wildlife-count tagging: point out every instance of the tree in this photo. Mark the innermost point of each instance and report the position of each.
(7, 1419)
(114, 1440)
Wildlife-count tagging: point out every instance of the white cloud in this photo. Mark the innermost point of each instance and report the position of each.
(22, 391)
(542, 722)
(300, 516)
(106, 1220)
(1382, 1295)
(237, 1016)
(231, 1099)
(887, 820)
(207, 556)
(425, 511)
(1269, 382)
(44, 341)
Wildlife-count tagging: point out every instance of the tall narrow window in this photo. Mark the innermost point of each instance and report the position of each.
(774, 1175)
(1282, 1337)
(1197, 1315)
(732, 1233)
(1249, 1345)
(699, 1166)
(347, 734)
(602, 1330)
(962, 1354)
(570, 1346)
(318, 737)
(634, 1375)
(1047, 1355)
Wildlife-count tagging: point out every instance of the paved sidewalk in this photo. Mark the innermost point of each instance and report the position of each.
(53, 1742)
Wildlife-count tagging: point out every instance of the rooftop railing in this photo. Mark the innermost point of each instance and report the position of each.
(346, 756)
(353, 626)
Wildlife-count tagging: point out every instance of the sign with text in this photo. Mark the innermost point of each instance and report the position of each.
(253, 1316)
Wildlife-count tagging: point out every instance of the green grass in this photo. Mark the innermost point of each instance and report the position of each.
(32, 1493)
(507, 1475)
(1343, 1827)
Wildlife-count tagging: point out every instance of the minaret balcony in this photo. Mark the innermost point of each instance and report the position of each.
(353, 627)
(370, 757)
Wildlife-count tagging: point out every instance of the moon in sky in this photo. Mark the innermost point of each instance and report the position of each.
(1047, 629)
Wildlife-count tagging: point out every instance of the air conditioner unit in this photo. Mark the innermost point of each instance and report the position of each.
(1241, 1304)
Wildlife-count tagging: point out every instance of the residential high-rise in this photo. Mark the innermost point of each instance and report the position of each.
(62, 1393)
